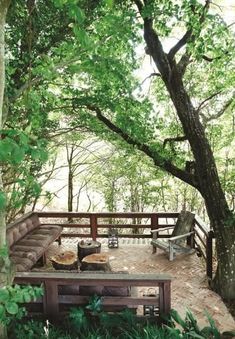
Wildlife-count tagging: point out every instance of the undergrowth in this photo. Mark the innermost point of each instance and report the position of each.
(97, 324)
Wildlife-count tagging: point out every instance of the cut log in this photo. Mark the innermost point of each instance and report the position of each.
(96, 262)
(64, 261)
(88, 247)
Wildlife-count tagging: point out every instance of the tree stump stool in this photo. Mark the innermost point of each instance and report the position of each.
(65, 261)
(88, 247)
(95, 262)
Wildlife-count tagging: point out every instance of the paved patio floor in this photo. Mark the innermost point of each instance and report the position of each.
(189, 285)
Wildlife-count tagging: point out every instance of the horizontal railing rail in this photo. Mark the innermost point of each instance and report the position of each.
(204, 243)
(104, 220)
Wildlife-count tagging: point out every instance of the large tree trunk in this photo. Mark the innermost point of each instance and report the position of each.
(208, 183)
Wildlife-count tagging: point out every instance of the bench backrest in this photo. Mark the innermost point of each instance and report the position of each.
(21, 227)
(183, 225)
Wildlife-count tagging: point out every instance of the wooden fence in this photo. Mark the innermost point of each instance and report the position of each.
(52, 304)
(96, 225)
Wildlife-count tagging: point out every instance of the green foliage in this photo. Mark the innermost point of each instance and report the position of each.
(78, 319)
(122, 325)
(10, 299)
(94, 304)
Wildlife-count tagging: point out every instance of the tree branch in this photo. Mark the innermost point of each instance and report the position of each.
(188, 37)
(158, 159)
(154, 46)
(150, 76)
(202, 104)
(220, 113)
(176, 139)
(182, 42)
(209, 59)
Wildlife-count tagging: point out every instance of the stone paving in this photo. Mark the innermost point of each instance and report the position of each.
(189, 285)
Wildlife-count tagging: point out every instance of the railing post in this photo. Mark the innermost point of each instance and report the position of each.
(209, 255)
(93, 224)
(154, 221)
(154, 225)
(50, 300)
(164, 297)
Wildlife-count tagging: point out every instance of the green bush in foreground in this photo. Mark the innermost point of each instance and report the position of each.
(102, 325)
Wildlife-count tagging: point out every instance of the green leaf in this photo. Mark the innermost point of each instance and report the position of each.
(109, 3)
(17, 155)
(175, 315)
(27, 297)
(4, 295)
(12, 308)
(2, 312)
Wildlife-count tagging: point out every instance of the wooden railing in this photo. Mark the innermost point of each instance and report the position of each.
(52, 304)
(204, 243)
(95, 222)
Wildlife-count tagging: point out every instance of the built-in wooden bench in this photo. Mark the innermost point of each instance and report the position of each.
(62, 291)
(28, 240)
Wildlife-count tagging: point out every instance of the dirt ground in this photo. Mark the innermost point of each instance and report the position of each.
(189, 285)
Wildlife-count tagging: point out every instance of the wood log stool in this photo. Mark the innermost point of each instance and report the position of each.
(65, 261)
(96, 262)
(88, 247)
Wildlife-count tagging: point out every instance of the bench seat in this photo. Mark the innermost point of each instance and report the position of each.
(28, 241)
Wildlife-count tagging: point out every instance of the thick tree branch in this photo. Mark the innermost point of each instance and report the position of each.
(176, 139)
(156, 50)
(158, 159)
(188, 37)
(154, 45)
(182, 42)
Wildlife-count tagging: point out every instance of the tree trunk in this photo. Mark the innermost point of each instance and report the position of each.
(221, 219)
(208, 183)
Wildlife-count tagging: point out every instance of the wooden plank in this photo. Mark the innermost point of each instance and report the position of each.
(63, 214)
(209, 256)
(166, 297)
(202, 225)
(123, 226)
(75, 235)
(93, 224)
(107, 279)
(200, 249)
(83, 235)
(67, 225)
(109, 300)
(50, 305)
(200, 238)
